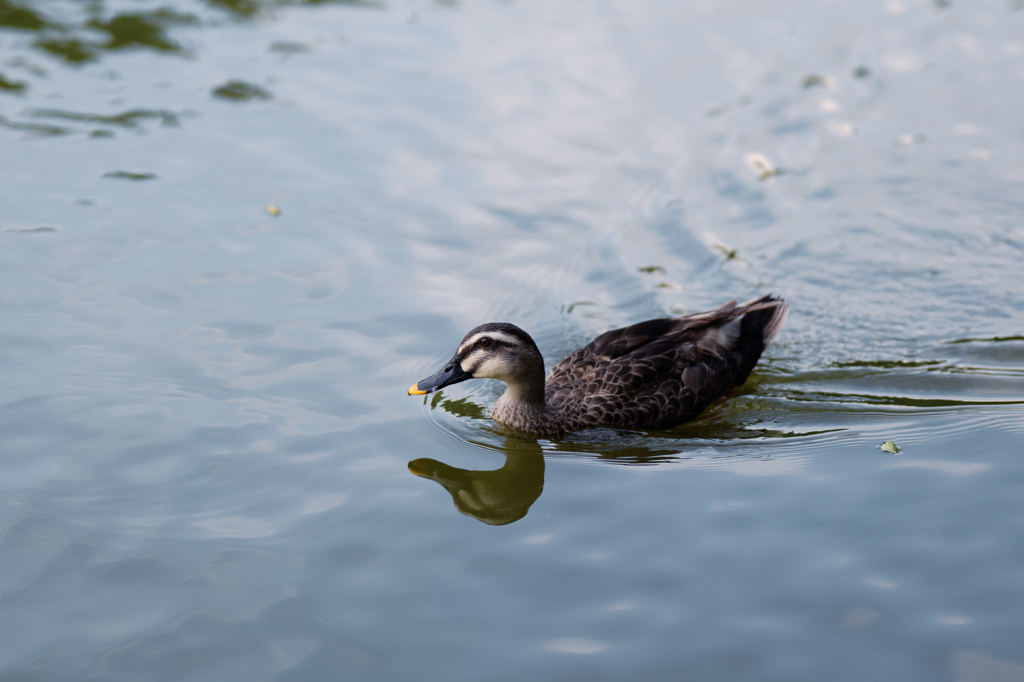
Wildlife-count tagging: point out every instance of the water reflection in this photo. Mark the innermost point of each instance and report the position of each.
(503, 496)
(83, 38)
(81, 33)
(497, 497)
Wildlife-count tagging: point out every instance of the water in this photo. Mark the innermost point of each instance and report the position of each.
(206, 438)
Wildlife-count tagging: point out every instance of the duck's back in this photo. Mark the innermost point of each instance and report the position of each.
(660, 373)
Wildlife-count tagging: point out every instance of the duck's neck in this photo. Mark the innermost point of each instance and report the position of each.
(527, 390)
(522, 406)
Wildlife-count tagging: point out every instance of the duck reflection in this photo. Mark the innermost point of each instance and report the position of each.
(495, 497)
(502, 496)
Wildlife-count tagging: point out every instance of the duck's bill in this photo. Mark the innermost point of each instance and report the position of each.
(451, 374)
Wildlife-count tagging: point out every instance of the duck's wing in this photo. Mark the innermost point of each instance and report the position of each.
(662, 372)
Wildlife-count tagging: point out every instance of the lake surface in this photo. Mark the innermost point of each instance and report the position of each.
(233, 232)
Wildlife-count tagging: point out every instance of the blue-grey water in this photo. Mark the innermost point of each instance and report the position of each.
(233, 232)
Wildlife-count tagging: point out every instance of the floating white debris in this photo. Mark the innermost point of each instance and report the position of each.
(907, 139)
(858, 618)
(761, 166)
(902, 62)
(841, 128)
(895, 7)
(575, 645)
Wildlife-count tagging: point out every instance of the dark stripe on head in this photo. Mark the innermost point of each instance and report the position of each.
(500, 333)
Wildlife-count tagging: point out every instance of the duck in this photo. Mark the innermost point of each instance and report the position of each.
(651, 375)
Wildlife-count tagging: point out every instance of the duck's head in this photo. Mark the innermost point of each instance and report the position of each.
(496, 350)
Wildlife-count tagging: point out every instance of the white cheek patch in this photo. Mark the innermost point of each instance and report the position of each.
(491, 368)
(470, 360)
(484, 366)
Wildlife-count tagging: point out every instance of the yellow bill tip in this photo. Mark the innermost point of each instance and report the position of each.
(415, 390)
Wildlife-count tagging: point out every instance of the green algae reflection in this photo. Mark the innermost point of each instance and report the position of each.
(240, 91)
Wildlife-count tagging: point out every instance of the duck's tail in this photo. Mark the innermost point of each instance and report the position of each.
(762, 320)
(764, 317)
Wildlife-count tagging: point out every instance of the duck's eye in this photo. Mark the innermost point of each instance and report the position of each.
(484, 342)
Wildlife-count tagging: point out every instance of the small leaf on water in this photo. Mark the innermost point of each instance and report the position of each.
(816, 80)
(889, 446)
(652, 269)
(730, 254)
(126, 175)
(577, 303)
(31, 229)
(273, 210)
(288, 48)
